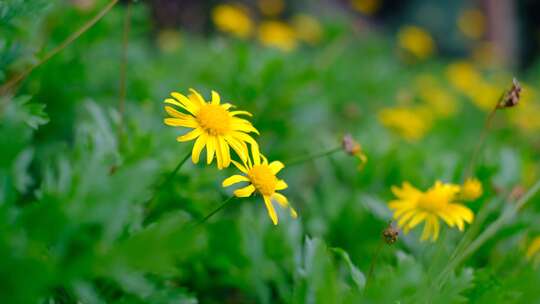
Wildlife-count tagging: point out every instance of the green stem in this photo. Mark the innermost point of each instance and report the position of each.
(489, 232)
(223, 205)
(152, 202)
(8, 85)
(124, 59)
(312, 156)
(373, 262)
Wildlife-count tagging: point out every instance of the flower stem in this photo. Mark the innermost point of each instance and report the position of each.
(124, 61)
(509, 212)
(4, 89)
(483, 135)
(223, 205)
(152, 202)
(312, 156)
(374, 261)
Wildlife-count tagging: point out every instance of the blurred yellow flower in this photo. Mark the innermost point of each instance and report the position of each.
(471, 23)
(467, 79)
(214, 126)
(277, 34)
(440, 101)
(463, 76)
(232, 19)
(169, 40)
(307, 28)
(262, 179)
(367, 7)
(485, 95)
(471, 189)
(533, 251)
(416, 41)
(413, 206)
(271, 8)
(525, 116)
(410, 123)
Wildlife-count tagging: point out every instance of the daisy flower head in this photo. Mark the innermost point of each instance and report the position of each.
(213, 125)
(261, 178)
(413, 207)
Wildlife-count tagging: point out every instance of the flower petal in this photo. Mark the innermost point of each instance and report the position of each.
(244, 192)
(189, 136)
(281, 184)
(197, 148)
(234, 113)
(210, 149)
(215, 98)
(276, 166)
(179, 122)
(234, 179)
(271, 211)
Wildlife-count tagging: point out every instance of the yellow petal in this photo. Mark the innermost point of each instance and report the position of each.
(239, 147)
(225, 152)
(240, 166)
(196, 97)
(210, 149)
(219, 155)
(197, 148)
(186, 103)
(281, 184)
(271, 211)
(436, 229)
(276, 166)
(215, 98)
(234, 179)
(234, 113)
(427, 231)
(176, 114)
(189, 136)
(419, 217)
(281, 199)
(178, 122)
(244, 192)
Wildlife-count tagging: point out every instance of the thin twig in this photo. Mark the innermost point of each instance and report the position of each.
(124, 61)
(4, 89)
(483, 135)
(312, 156)
(223, 205)
(151, 204)
(374, 261)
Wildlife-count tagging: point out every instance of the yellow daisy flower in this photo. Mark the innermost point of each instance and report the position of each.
(411, 123)
(262, 179)
(416, 41)
(232, 19)
(214, 126)
(413, 206)
(471, 189)
(278, 34)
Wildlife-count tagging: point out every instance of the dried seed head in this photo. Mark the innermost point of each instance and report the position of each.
(350, 145)
(390, 234)
(353, 148)
(511, 98)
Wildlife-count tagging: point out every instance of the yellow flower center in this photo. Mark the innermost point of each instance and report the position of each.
(263, 179)
(214, 119)
(432, 201)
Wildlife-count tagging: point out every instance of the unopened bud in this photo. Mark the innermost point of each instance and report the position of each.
(390, 234)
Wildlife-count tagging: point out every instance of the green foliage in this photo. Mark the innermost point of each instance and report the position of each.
(83, 218)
